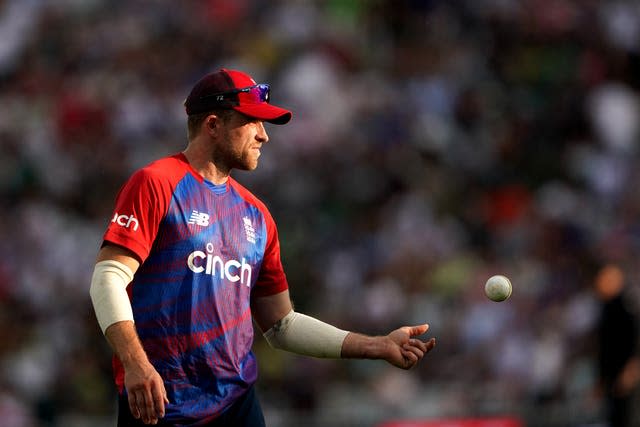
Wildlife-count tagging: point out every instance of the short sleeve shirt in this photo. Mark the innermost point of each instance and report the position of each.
(205, 251)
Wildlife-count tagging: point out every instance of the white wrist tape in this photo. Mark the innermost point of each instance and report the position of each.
(303, 334)
(109, 293)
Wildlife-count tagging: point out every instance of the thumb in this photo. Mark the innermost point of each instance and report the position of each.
(418, 330)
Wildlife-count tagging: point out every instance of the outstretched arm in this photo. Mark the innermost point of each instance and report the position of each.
(399, 347)
(285, 329)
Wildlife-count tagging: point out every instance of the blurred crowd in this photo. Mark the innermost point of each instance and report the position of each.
(434, 144)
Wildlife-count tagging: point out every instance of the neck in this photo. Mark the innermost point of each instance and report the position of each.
(202, 162)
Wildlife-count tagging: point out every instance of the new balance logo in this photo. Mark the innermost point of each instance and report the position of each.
(249, 231)
(199, 218)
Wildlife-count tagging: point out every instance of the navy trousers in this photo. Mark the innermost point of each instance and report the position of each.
(245, 412)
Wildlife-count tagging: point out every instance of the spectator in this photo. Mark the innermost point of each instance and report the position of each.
(618, 358)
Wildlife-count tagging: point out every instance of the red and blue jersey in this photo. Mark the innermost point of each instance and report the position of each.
(205, 250)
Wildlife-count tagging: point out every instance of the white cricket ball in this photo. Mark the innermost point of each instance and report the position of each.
(498, 288)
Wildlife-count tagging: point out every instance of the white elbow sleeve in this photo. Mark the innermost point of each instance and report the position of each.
(305, 335)
(109, 293)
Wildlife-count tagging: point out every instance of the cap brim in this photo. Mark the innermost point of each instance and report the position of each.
(266, 112)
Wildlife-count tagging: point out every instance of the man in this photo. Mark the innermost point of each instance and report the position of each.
(193, 258)
(618, 361)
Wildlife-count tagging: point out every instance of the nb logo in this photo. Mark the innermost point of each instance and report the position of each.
(199, 218)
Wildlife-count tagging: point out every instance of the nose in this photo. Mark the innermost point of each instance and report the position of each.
(261, 134)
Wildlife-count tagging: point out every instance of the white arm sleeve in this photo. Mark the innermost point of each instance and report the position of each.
(302, 334)
(109, 293)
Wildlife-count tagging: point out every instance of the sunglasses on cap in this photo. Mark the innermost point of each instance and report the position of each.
(255, 94)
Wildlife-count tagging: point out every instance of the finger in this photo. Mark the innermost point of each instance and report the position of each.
(410, 359)
(431, 344)
(141, 406)
(415, 350)
(159, 397)
(418, 330)
(149, 415)
(133, 406)
(422, 345)
(408, 354)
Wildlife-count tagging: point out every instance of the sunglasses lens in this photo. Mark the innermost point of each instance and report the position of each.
(259, 93)
(252, 95)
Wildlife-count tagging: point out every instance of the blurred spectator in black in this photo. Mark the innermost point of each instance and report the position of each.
(618, 362)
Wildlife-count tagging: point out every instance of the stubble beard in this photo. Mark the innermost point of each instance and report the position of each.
(245, 162)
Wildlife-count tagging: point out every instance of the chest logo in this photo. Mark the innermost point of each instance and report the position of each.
(199, 218)
(249, 231)
(212, 264)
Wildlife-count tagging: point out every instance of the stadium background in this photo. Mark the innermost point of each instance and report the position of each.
(434, 143)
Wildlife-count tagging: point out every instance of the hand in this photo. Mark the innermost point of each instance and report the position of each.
(145, 388)
(404, 351)
(147, 395)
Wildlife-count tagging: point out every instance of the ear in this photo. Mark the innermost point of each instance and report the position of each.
(211, 124)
